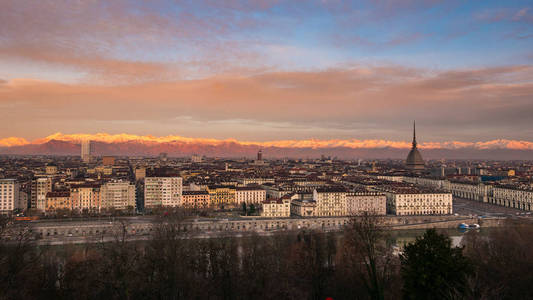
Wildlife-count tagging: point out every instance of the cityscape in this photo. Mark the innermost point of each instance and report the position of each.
(266, 149)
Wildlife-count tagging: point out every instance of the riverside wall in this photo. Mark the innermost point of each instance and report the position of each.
(138, 227)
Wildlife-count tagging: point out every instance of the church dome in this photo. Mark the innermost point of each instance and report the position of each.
(414, 159)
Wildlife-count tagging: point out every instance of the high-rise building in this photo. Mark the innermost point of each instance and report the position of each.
(39, 188)
(86, 151)
(414, 160)
(162, 191)
(260, 155)
(9, 195)
(118, 195)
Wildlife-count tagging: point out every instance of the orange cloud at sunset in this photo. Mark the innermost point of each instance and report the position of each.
(13, 141)
(310, 143)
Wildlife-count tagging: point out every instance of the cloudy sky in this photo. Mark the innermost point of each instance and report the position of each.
(261, 71)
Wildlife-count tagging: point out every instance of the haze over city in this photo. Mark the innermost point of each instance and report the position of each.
(291, 75)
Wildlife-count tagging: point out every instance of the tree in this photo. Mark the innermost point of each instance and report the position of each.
(244, 208)
(433, 269)
(252, 209)
(366, 260)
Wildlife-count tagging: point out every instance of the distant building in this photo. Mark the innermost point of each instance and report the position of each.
(85, 197)
(408, 200)
(86, 151)
(250, 195)
(260, 155)
(330, 201)
(51, 169)
(140, 174)
(414, 161)
(361, 202)
(196, 158)
(163, 156)
(220, 195)
(39, 188)
(277, 208)
(162, 191)
(108, 160)
(195, 199)
(58, 201)
(303, 208)
(118, 195)
(9, 196)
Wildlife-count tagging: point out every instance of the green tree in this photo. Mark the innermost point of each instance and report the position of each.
(252, 209)
(433, 269)
(244, 208)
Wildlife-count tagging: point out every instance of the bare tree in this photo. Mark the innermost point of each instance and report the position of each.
(366, 254)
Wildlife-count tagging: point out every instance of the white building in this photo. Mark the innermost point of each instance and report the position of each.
(520, 197)
(512, 197)
(39, 188)
(86, 151)
(330, 201)
(361, 202)
(9, 195)
(162, 191)
(408, 200)
(118, 195)
(275, 208)
(250, 195)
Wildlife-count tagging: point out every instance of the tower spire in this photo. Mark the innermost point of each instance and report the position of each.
(414, 134)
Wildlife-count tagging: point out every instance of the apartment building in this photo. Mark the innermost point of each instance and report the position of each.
(9, 196)
(250, 195)
(59, 200)
(362, 201)
(195, 199)
(118, 195)
(162, 191)
(330, 201)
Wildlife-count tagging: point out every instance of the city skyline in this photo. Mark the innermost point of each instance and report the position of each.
(342, 73)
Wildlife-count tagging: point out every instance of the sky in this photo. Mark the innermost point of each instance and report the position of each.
(264, 71)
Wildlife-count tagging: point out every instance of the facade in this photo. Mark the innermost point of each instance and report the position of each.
(162, 191)
(86, 151)
(509, 196)
(85, 197)
(407, 201)
(258, 181)
(276, 208)
(221, 195)
(196, 158)
(358, 203)
(195, 199)
(9, 196)
(50, 169)
(303, 208)
(39, 188)
(330, 201)
(140, 174)
(118, 195)
(58, 201)
(250, 195)
(108, 160)
(513, 197)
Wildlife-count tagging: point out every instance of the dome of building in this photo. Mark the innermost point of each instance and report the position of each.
(414, 159)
